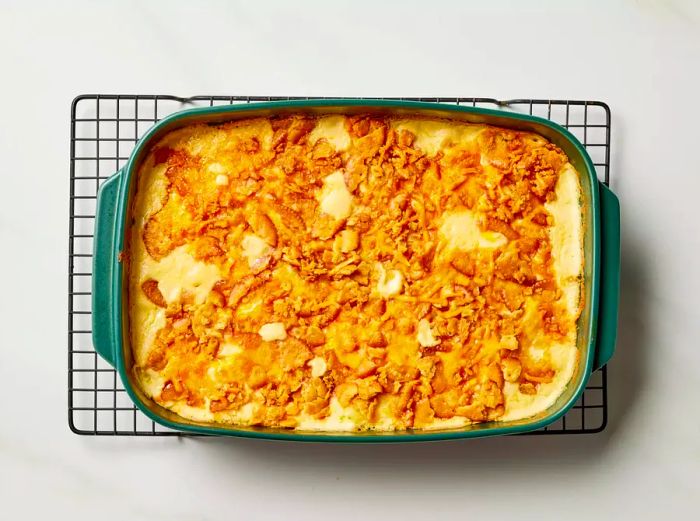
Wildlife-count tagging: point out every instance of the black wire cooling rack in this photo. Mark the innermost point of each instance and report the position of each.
(104, 130)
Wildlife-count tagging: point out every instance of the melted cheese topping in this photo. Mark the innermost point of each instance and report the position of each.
(353, 273)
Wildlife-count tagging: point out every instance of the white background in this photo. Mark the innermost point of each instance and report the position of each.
(642, 57)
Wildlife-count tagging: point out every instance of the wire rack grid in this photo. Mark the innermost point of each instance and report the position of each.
(105, 129)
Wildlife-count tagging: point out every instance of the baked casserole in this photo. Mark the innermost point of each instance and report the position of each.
(352, 273)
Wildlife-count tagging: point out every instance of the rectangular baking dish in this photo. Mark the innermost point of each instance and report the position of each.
(597, 325)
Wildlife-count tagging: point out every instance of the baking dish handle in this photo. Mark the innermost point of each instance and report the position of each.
(103, 261)
(609, 291)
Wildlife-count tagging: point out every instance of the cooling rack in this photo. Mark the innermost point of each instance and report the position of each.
(104, 130)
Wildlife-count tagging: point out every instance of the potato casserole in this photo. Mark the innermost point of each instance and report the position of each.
(353, 273)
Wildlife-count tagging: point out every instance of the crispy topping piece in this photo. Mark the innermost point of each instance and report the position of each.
(150, 289)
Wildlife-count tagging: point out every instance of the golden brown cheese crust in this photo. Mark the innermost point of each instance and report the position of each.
(358, 271)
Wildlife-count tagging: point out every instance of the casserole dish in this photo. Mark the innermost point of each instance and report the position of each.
(596, 325)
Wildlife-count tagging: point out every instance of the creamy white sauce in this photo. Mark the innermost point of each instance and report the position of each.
(389, 283)
(217, 168)
(340, 419)
(334, 198)
(318, 366)
(273, 331)
(460, 230)
(332, 129)
(433, 135)
(424, 334)
(566, 236)
(179, 271)
(254, 248)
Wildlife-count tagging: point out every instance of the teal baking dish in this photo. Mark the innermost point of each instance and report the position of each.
(597, 326)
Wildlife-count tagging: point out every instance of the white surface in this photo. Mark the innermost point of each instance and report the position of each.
(640, 57)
